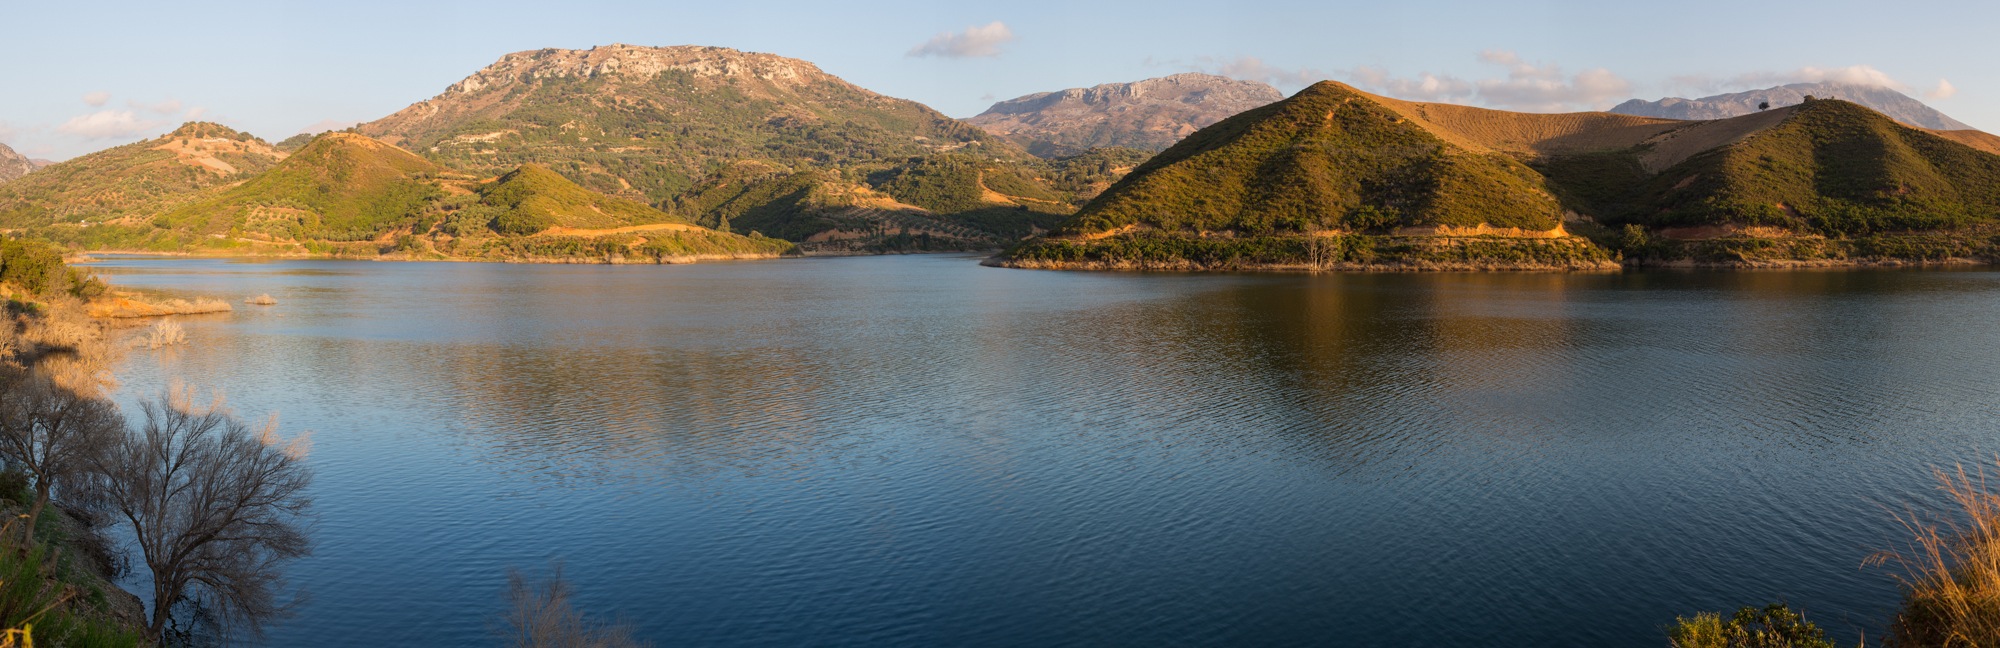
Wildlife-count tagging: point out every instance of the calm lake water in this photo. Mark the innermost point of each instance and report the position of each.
(918, 451)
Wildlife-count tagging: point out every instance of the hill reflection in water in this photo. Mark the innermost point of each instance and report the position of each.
(919, 451)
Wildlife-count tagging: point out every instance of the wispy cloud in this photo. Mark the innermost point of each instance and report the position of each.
(1423, 87)
(97, 99)
(1544, 87)
(983, 41)
(168, 107)
(1251, 68)
(108, 124)
(1525, 85)
(325, 125)
(1944, 90)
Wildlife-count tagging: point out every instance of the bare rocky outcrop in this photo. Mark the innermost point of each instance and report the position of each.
(14, 165)
(497, 89)
(1149, 115)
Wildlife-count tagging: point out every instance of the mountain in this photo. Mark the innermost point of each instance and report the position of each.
(1334, 177)
(674, 126)
(1148, 115)
(135, 181)
(14, 165)
(1889, 102)
(649, 123)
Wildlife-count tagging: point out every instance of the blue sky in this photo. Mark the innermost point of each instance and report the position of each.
(84, 76)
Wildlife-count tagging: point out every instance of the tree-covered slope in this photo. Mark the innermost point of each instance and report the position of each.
(532, 199)
(341, 187)
(136, 181)
(345, 194)
(650, 123)
(1831, 168)
(1327, 158)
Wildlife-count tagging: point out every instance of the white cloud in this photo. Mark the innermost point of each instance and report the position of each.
(1944, 90)
(194, 113)
(325, 125)
(7, 133)
(167, 107)
(1545, 88)
(97, 99)
(1251, 68)
(108, 124)
(1853, 75)
(975, 42)
(1526, 86)
(1424, 87)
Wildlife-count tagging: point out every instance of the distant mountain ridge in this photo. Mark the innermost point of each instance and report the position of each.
(1896, 105)
(1148, 115)
(14, 165)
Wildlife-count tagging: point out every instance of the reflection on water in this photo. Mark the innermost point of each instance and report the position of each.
(919, 451)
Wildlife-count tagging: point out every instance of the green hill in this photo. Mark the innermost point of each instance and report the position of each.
(533, 199)
(341, 187)
(1833, 168)
(348, 195)
(1319, 178)
(1334, 177)
(131, 183)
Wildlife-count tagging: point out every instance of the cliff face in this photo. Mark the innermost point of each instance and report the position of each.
(1896, 105)
(14, 165)
(1149, 115)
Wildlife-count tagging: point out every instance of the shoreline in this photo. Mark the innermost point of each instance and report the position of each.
(1299, 268)
(1494, 267)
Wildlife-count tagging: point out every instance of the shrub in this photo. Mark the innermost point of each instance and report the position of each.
(1773, 626)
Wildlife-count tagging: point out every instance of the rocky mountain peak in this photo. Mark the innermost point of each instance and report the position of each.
(14, 165)
(640, 63)
(1151, 114)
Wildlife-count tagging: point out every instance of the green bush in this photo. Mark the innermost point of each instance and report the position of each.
(1774, 626)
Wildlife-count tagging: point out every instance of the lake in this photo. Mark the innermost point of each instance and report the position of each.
(919, 451)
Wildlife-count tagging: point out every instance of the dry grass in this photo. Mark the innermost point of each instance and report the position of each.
(59, 339)
(164, 334)
(1680, 144)
(133, 305)
(1951, 569)
(1976, 139)
(262, 300)
(1482, 129)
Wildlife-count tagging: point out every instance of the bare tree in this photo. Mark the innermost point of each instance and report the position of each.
(216, 506)
(540, 615)
(1321, 252)
(53, 432)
